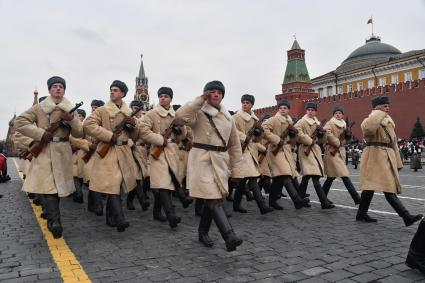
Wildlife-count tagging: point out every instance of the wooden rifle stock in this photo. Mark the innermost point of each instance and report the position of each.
(332, 149)
(104, 147)
(257, 125)
(283, 137)
(308, 149)
(89, 154)
(157, 150)
(38, 146)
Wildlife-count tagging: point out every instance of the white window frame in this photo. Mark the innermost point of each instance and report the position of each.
(321, 92)
(349, 88)
(408, 76)
(394, 79)
(339, 89)
(421, 74)
(329, 91)
(370, 83)
(359, 86)
(382, 81)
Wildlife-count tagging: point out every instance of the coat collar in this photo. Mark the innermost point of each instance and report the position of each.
(284, 119)
(339, 123)
(311, 121)
(247, 116)
(113, 110)
(212, 111)
(48, 105)
(164, 112)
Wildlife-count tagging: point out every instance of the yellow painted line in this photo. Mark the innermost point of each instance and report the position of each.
(68, 265)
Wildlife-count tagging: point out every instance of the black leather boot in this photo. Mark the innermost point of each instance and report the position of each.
(365, 199)
(43, 213)
(115, 215)
(165, 196)
(223, 225)
(157, 208)
(31, 195)
(293, 194)
(327, 184)
(142, 197)
(199, 206)
(204, 227)
(326, 204)
(54, 225)
(253, 185)
(302, 188)
(130, 198)
(78, 194)
(183, 197)
(275, 189)
(416, 256)
(37, 199)
(398, 206)
(237, 199)
(351, 190)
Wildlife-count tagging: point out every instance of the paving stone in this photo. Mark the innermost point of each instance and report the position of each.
(366, 277)
(336, 275)
(315, 271)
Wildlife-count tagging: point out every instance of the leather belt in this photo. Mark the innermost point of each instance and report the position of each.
(60, 139)
(209, 147)
(138, 143)
(384, 144)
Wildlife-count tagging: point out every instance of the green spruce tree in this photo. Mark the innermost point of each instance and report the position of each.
(417, 131)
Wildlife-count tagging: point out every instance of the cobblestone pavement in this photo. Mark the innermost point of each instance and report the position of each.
(307, 245)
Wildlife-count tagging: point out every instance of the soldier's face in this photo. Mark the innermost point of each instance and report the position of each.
(311, 112)
(246, 106)
(215, 97)
(116, 94)
(134, 109)
(57, 91)
(383, 107)
(93, 108)
(338, 115)
(283, 110)
(164, 100)
(80, 117)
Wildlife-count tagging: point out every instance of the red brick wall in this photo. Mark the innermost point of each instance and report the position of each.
(407, 102)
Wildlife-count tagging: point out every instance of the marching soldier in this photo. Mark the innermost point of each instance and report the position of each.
(113, 164)
(380, 162)
(279, 132)
(310, 135)
(140, 155)
(337, 134)
(79, 148)
(94, 199)
(50, 173)
(164, 169)
(244, 121)
(217, 153)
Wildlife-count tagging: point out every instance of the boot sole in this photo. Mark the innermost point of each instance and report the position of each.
(57, 232)
(233, 245)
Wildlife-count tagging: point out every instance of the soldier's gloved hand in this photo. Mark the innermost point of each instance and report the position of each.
(164, 144)
(320, 133)
(348, 135)
(47, 137)
(292, 133)
(66, 116)
(257, 132)
(114, 139)
(129, 124)
(93, 146)
(176, 130)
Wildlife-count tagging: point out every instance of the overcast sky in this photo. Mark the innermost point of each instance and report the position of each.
(185, 44)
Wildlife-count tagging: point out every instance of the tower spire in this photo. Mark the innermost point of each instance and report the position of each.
(142, 93)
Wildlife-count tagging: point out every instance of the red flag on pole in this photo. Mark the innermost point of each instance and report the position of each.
(370, 21)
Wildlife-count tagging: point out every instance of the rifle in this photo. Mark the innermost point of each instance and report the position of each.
(104, 147)
(157, 150)
(314, 138)
(261, 155)
(26, 155)
(89, 153)
(283, 137)
(332, 149)
(38, 146)
(257, 125)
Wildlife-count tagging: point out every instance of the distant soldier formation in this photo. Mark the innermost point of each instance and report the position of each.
(201, 152)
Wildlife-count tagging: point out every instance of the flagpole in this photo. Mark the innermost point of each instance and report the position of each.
(372, 24)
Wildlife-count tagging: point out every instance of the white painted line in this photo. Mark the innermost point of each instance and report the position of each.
(355, 208)
(403, 185)
(381, 194)
(401, 176)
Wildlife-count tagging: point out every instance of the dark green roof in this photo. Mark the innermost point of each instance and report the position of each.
(296, 70)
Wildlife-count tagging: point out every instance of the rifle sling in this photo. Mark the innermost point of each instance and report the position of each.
(215, 128)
